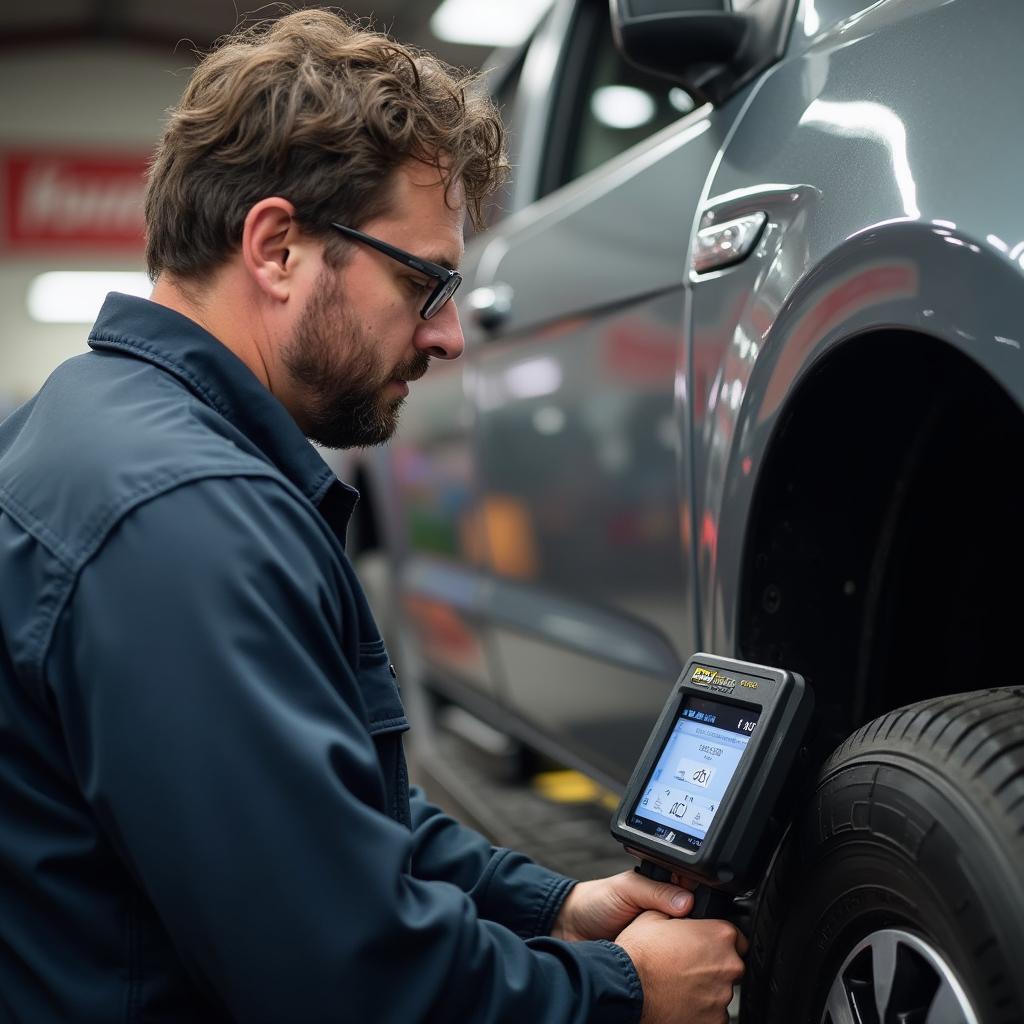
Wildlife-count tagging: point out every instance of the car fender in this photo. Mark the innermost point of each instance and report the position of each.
(928, 279)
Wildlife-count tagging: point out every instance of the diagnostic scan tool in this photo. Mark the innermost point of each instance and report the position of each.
(701, 796)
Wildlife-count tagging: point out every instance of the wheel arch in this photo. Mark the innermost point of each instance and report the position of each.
(880, 557)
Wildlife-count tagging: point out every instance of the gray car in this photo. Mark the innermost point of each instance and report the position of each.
(744, 374)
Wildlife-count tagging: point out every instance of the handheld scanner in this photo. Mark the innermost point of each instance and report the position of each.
(711, 773)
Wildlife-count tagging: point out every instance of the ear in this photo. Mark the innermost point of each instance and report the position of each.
(268, 235)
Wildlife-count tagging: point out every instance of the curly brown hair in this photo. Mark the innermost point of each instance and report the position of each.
(317, 109)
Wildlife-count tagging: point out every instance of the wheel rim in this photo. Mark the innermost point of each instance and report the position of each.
(893, 975)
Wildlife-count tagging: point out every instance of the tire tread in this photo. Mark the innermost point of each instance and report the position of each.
(973, 741)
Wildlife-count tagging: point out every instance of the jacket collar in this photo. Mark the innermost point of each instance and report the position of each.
(219, 379)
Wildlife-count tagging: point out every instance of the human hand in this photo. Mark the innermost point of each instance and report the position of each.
(602, 908)
(687, 968)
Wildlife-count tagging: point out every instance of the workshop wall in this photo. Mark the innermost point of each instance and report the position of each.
(77, 121)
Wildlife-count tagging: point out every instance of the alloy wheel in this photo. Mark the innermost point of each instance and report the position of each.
(896, 977)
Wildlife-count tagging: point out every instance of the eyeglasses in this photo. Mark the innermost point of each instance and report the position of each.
(447, 280)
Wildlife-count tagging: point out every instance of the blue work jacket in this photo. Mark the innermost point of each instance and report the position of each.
(204, 807)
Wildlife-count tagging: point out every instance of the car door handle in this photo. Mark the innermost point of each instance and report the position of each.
(722, 245)
(490, 305)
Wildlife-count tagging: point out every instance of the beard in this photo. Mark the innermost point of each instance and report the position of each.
(337, 368)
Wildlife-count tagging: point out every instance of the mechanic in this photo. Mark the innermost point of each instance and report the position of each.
(205, 806)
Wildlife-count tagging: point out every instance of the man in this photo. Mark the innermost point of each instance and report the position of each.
(205, 808)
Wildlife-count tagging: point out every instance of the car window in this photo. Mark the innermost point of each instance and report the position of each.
(503, 87)
(504, 96)
(504, 92)
(604, 104)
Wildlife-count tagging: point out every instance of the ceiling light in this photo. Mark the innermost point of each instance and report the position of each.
(75, 296)
(680, 99)
(622, 106)
(487, 22)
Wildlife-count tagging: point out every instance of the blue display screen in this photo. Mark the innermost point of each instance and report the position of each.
(697, 763)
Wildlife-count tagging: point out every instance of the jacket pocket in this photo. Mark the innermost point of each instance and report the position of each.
(378, 683)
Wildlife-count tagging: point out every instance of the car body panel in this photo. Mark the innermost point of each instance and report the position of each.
(580, 438)
(573, 500)
(884, 232)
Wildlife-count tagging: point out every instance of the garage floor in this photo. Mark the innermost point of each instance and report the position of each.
(560, 819)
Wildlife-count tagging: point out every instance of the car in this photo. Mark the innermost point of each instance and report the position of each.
(744, 373)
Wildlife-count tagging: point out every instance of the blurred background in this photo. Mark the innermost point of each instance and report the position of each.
(84, 89)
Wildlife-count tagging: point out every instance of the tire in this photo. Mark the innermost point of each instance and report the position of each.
(898, 894)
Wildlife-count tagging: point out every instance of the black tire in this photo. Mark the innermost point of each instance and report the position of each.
(913, 843)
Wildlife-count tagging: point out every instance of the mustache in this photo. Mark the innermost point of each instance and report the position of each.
(414, 369)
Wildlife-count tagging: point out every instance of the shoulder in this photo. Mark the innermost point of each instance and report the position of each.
(238, 528)
(99, 440)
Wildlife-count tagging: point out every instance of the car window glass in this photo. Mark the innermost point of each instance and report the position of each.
(504, 98)
(622, 107)
(504, 93)
(503, 89)
(606, 105)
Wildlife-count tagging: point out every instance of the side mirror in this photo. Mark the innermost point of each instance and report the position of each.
(710, 47)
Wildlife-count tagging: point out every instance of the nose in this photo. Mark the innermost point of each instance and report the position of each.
(441, 335)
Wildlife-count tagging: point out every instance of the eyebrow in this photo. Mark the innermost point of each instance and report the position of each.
(440, 260)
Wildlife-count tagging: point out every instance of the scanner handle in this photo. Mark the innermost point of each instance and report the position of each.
(707, 902)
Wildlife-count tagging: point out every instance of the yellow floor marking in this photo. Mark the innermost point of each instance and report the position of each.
(569, 787)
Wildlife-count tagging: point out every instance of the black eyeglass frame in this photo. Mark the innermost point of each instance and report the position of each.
(448, 281)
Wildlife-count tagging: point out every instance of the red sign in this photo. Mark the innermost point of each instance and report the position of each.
(76, 201)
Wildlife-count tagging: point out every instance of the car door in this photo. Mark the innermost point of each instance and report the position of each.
(429, 510)
(578, 388)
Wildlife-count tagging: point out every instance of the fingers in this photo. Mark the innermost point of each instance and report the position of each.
(669, 899)
(691, 964)
(738, 941)
(651, 915)
(680, 901)
(733, 946)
